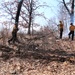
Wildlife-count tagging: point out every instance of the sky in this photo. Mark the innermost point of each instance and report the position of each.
(49, 12)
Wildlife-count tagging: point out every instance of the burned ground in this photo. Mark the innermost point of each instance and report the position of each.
(38, 55)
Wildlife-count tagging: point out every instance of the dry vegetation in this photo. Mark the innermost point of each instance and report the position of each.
(41, 54)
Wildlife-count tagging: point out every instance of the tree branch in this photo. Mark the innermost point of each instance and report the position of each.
(66, 7)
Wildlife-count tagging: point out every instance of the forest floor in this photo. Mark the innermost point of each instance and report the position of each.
(38, 55)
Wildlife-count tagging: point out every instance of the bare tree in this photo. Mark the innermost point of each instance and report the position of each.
(28, 12)
(71, 12)
(31, 7)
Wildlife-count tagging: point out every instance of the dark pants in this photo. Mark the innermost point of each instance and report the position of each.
(61, 32)
(71, 33)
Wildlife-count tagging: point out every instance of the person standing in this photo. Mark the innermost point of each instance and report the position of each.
(71, 28)
(14, 35)
(61, 25)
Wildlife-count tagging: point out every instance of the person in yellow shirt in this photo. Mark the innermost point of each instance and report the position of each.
(61, 25)
(71, 28)
(14, 35)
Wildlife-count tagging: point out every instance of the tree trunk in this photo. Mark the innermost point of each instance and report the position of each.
(18, 12)
(29, 26)
(72, 13)
(16, 22)
(30, 17)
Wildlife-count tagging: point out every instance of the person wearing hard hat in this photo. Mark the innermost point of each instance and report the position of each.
(71, 28)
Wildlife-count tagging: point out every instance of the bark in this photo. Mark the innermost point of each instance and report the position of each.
(30, 17)
(71, 13)
(18, 12)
